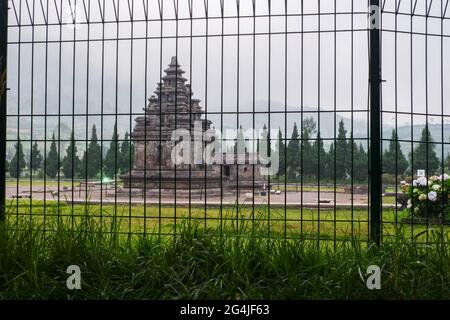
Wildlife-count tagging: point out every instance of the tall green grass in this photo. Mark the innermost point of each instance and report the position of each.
(339, 224)
(199, 263)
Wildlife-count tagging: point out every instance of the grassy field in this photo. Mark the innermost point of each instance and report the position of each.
(330, 224)
(196, 265)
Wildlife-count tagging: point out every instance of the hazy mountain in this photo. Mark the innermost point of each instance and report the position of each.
(408, 134)
(329, 123)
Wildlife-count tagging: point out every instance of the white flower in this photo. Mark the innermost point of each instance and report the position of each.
(409, 206)
(444, 177)
(420, 182)
(432, 196)
(434, 178)
(436, 187)
(423, 197)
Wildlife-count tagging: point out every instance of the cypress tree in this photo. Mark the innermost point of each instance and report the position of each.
(281, 154)
(329, 163)
(18, 162)
(293, 154)
(424, 156)
(71, 162)
(110, 165)
(126, 154)
(360, 162)
(448, 161)
(308, 151)
(320, 165)
(390, 161)
(94, 155)
(83, 165)
(342, 153)
(35, 158)
(52, 161)
(263, 140)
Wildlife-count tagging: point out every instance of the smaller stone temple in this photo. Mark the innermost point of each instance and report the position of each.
(172, 108)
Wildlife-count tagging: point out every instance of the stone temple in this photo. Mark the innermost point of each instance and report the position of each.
(172, 108)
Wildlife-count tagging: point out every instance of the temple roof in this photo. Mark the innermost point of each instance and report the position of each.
(174, 92)
(174, 67)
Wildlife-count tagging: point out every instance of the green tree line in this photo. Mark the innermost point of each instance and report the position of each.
(91, 165)
(303, 157)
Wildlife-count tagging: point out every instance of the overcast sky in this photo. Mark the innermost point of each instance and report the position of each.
(243, 76)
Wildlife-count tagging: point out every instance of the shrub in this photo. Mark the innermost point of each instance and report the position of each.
(428, 197)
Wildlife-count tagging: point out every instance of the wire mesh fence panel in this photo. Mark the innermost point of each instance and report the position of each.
(415, 119)
(320, 120)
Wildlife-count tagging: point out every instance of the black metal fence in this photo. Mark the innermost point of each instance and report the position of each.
(332, 116)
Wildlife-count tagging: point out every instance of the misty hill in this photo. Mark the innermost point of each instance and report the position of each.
(329, 123)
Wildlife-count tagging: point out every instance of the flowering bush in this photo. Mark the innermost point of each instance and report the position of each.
(428, 196)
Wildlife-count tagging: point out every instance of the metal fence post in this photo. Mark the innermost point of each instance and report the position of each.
(375, 122)
(3, 64)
